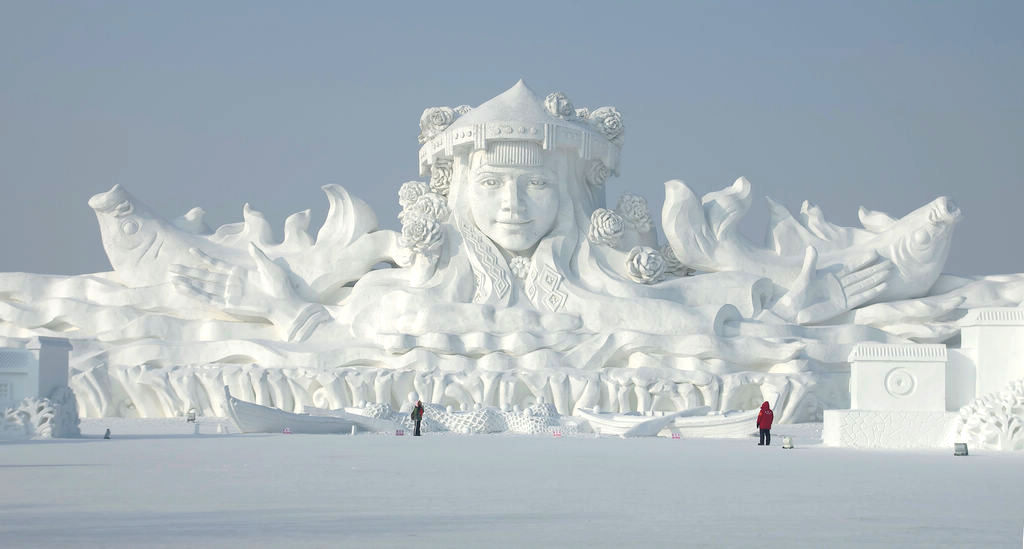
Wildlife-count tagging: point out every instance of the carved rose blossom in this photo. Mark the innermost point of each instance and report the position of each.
(559, 105)
(598, 173)
(609, 121)
(434, 121)
(520, 266)
(419, 232)
(583, 113)
(430, 205)
(645, 265)
(606, 227)
(441, 176)
(410, 192)
(634, 210)
(672, 263)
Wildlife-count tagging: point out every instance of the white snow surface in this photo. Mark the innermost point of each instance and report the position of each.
(156, 484)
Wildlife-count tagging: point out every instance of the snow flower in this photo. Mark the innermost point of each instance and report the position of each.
(606, 227)
(431, 205)
(634, 210)
(645, 265)
(520, 266)
(672, 264)
(434, 121)
(410, 192)
(559, 105)
(609, 121)
(441, 176)
(420, 232)
(597, 174)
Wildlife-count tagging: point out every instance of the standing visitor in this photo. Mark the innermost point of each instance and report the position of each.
(417, 417)
(764, 424)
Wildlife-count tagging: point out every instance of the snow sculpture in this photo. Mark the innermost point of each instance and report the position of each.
(54, 417)
(995, 421)
(511, 281)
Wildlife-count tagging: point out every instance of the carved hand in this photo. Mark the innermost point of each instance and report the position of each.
(263, 293)
(816, 296)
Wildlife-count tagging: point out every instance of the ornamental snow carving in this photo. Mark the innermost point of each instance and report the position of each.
(633, 209)
(996, 420)
(645, 265)
(441, 177)
(430, 205)
(559, 105)
(672, 264)
(510, 281)
(410, 192)
(609, 121)
(606, 227)
(597, 173)
(420, 232)
(41, 418)
(520, 266)
(434, 121)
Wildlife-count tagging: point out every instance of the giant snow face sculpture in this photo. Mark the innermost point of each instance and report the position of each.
(513, 196)
(510, 280)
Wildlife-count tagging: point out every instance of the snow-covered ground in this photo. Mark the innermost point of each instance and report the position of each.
(155, 484)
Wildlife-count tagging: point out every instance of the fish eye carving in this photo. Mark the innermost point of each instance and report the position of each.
(130, 227)
(922, 237)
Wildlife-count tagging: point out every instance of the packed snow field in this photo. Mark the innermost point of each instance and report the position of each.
(156, 484)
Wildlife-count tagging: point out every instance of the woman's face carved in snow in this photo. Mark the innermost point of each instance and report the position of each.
(514, 206)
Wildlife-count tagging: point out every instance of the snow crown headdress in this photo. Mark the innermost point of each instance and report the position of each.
(519, 115)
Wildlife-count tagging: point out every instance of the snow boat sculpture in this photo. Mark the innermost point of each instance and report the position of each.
(511, 282)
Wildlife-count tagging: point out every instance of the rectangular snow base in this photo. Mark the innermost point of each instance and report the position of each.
(888, 429)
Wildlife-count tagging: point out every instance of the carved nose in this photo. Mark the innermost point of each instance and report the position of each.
(512, 202)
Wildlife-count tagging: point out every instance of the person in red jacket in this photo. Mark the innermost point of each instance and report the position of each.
(764, 424)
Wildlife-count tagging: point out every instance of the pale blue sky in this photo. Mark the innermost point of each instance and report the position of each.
(882, 104)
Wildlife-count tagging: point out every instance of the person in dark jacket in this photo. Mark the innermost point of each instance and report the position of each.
(764, 424)
(417, 417)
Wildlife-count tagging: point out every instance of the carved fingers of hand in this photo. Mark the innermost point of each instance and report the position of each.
(221, 284)
(866, 283)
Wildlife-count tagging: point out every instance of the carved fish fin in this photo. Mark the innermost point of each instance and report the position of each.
(725, 208)
(226, 232)
(685, 225)
(875, 222)
(786, 236)
(257, 226)
(295, 234)
(193, 221)
(254, 228)
(348, 218)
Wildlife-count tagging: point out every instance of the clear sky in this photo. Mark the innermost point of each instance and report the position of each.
(214, 104)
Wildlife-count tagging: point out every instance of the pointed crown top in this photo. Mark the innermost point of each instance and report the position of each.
(519, 115)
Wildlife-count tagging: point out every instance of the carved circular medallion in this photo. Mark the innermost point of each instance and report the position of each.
(899, 382)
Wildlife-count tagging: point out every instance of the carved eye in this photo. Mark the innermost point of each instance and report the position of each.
(922, 237)
(130, 227)
(537, 182)
(490, 182)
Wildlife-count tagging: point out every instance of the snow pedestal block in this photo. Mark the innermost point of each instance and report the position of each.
(994, 338)
(889, 429)
(898, 377)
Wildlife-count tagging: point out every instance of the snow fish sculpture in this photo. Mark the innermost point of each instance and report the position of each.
(146, 250)
(906, 254)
